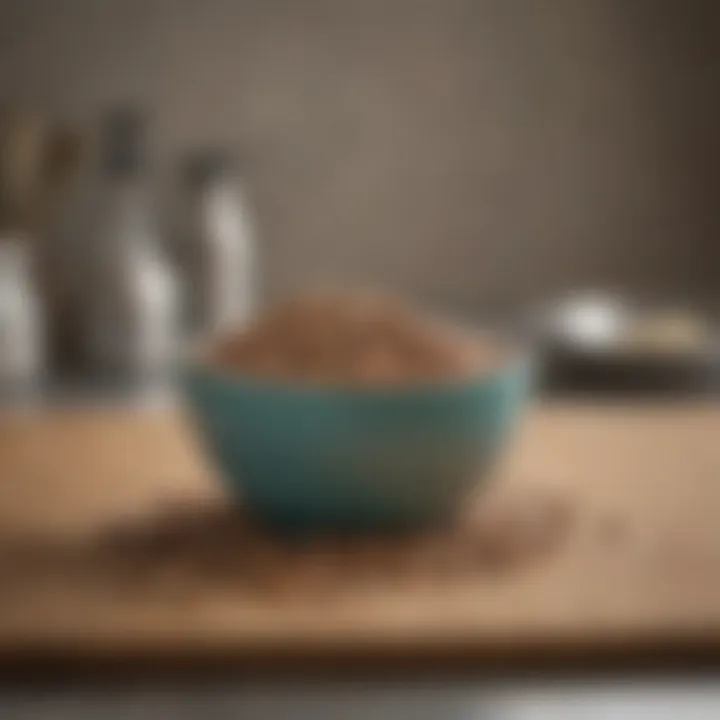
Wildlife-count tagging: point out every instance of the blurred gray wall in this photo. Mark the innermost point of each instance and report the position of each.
(477, 152)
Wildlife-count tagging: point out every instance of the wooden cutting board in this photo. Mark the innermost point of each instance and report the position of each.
(639, 566)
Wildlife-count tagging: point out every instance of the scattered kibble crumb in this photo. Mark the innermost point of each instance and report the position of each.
(186, 554)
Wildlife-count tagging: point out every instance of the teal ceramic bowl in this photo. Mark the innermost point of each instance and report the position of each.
(341, 459)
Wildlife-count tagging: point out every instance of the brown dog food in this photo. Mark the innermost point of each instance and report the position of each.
(353, 339)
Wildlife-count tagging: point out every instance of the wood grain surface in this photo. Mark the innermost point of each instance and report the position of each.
(640, 564)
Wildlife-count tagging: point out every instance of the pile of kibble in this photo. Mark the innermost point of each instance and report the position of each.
(353, 338)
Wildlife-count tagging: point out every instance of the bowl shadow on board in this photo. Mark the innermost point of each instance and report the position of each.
(310, 459)
(188, 551)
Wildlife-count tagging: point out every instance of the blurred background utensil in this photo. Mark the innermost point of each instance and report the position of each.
(130, 292)
(37, 163)
(21, 156)
(22, 344)
(217, 244)
(60, 165)
(21, 159)
(604, 343)
(60, 162)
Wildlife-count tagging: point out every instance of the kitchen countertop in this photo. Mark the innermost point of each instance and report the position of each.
(636, 575)
(617, 696)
